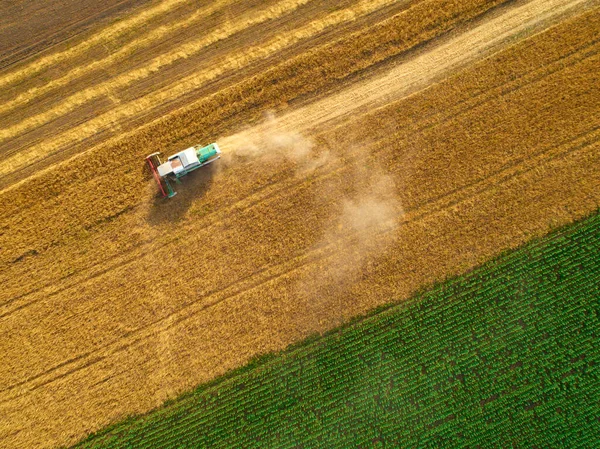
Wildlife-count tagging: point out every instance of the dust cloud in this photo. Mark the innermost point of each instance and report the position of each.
(360, 231)
(365, 209)
(270, 142)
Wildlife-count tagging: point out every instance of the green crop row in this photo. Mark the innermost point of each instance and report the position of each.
(508, 353)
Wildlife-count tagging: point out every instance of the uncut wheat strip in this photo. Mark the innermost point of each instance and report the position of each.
(272, 274)
(572, 70)
(517, 23)
(93, 373)
(277, 188)
(144, 41)
(536, 163)
(104, 35)
(152, 100)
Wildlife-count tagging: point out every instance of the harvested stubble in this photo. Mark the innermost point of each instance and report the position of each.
(78, 46)
(123, 333)
(505, 353)
(33, 29)
(65, 66)
(309, 72)
(19, 124)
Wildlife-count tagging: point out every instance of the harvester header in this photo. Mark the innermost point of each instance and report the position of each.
(179, 165)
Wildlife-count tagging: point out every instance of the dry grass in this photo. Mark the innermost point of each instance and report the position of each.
(474, 165)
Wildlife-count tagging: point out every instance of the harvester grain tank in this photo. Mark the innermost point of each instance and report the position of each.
(179, 165)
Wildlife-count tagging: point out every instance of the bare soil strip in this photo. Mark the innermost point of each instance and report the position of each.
(479, 163)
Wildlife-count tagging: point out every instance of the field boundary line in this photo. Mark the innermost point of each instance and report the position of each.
(187, 406)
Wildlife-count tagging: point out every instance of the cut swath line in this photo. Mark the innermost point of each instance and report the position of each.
(181, 52)
(153, 36)
(421, 10)
(143, 104)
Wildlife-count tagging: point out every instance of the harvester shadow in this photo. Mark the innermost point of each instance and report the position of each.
(193, 187)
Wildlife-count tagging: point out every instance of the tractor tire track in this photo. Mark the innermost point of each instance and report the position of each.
(426, 68)
(586, 142)
(276, 190)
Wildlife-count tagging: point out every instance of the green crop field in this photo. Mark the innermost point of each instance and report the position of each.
(506, 356)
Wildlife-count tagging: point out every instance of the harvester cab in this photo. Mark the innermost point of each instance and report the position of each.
(179, 165)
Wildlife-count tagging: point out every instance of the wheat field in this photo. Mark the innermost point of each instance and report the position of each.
(370, 149)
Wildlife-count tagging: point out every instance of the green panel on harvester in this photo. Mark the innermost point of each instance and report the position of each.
(205, 153)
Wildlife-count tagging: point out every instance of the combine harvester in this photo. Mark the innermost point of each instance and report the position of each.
(179, 165)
